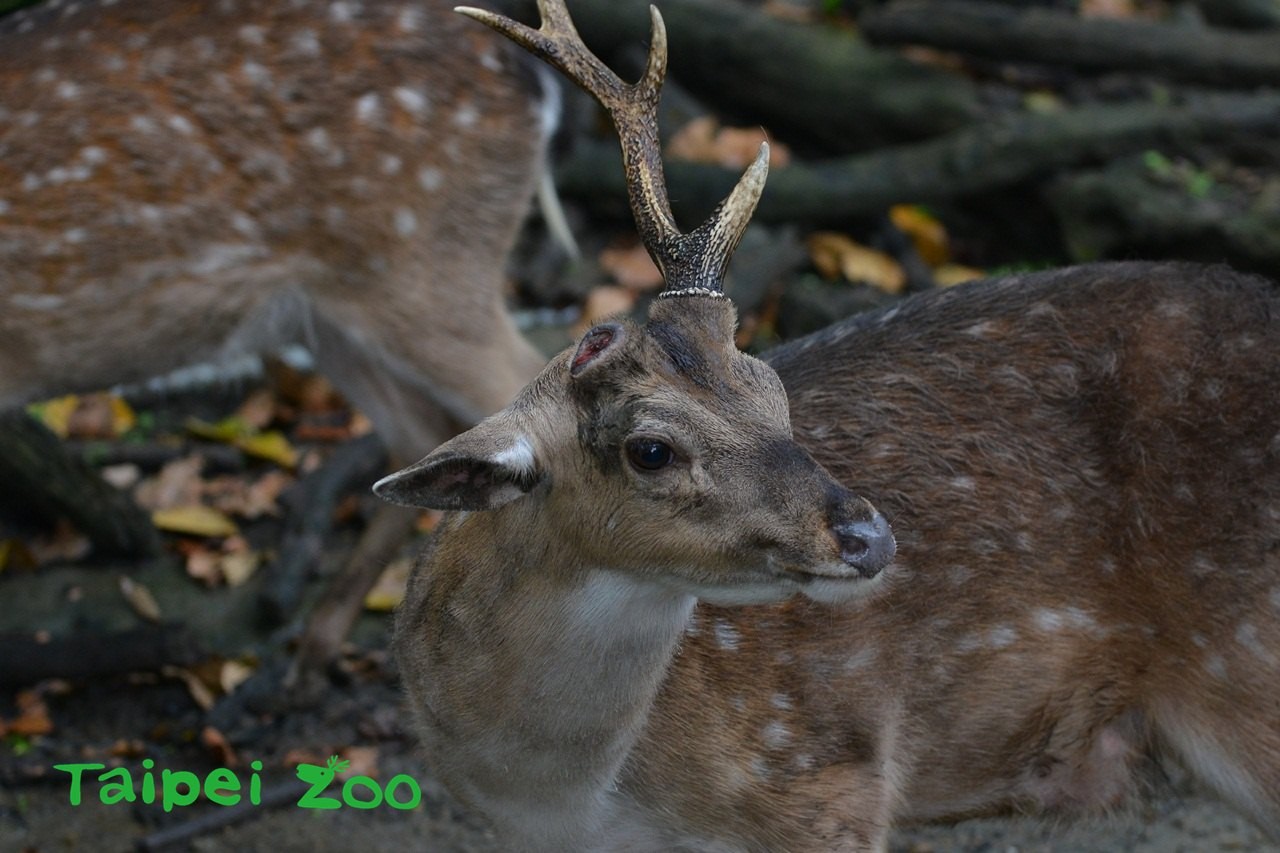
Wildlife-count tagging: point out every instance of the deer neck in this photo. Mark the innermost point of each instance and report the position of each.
(538, 675)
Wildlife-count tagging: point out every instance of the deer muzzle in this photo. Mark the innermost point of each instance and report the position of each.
(865, 545)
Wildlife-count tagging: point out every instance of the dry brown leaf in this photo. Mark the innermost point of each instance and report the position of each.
(63, 543)
(835, 255)
(364, 761)
(949, 275)
(33, 715)
(258, 409)
(388, 591)
(124, 476)
(177, 484)
(196, 688)
(232, 674)
(603, 301)
(631, 267)
(926, 232)
(703, 140)
(238, 567)
(234, 495)
(100, 416)
(219, 747)
(140, 599)
(202, 565)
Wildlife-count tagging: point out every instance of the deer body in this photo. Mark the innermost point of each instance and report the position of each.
(184, 182)
(672, 615)
(1086, 584)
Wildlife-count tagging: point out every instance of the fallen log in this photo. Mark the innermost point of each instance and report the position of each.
(965, 162)
(812, 85)
(41, 478)
(996, 31)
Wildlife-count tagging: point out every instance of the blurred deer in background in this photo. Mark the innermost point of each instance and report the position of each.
(185, 182)
(671, 620)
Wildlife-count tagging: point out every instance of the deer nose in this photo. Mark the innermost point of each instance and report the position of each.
(867, 545)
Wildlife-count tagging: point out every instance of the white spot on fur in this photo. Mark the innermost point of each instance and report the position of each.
(305, 42)
(252, 34)
(1275, 590)
(490, 60)
(36, 301)
(75, 235)
(466, 116)
(255, 73)
(738, 703)
(727, 636)
(411, 100)
(775, 734)
(1216, 666)
(694, 626)
(430, 179)
(4, 207)
(67, 90)
(860, 659)
(409, 19)
(519, 455)
(759, 767)
(181, 124)
(964, 483)
(1247, 636)
(781, 701)
(342, 12)
(1001, 636)
(406, 222)
(368, 108)
(390, 164)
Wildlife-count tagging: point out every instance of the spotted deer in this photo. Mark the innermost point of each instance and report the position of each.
(185, 181)
(666, 615)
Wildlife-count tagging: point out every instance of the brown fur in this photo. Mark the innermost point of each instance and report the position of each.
(1087, 582)
(185, 181)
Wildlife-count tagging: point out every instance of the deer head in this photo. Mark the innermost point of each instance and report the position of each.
(659, 449)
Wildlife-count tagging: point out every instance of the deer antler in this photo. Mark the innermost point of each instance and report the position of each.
(692, 264)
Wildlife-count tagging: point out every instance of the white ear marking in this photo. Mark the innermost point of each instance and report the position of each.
(519, 455)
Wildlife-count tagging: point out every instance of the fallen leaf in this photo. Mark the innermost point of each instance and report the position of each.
(33, 715)
(202, 565)
(177, 484)
(63, 543)
(140, 599)
(236, 568)
(949, 275)
(258, 409)
(271, 445)
(219, 747)
(194, 520)
(196, 688)
(835, 255)
(124, 476)
(388, 591)
(100, 416)
(364, 761)
(603, 301)
(56, 413)
(233, 674)
(703, 140)
(631, 267)
(925, 231)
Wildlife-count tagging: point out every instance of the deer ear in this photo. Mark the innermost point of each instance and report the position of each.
(471, 472)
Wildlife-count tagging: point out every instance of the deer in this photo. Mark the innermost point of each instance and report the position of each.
(1005, 548)
(183, 183)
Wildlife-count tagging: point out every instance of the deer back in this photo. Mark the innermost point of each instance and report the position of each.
(179, 182)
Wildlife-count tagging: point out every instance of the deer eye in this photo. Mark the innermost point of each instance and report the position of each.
(649, 454)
